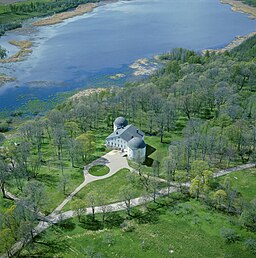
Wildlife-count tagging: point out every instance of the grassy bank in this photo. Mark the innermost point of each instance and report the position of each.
(245, 6)
(60, 17)
(12, 15)
(25, 49)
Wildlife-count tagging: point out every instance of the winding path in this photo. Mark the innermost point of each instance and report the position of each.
(115, 161)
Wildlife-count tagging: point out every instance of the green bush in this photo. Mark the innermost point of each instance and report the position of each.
(128, 226)
(229, 235)
(4, 128)
(2, 138)
(250, 244)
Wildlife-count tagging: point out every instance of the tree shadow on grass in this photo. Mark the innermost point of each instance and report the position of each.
(66, 225)
(113, 220)
(45, 248)
(87, 222)
(48, 180)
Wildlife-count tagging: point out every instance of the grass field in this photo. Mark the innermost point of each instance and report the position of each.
(51, 177)
(50, 174)
(244, 181)
(99, 170)
(109, 189)
(185, 230)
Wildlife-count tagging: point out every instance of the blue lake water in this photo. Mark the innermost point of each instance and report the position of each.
(84, 50)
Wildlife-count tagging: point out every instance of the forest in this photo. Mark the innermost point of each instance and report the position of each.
(250, 2)
(199, 110)
(12, 15)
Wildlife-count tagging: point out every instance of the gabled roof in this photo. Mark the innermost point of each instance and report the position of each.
(127, 133)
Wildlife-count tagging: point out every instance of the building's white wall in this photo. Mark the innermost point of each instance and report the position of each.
(138, 155)
(117, 143)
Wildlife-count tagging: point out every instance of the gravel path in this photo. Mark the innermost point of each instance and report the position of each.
(113, 159)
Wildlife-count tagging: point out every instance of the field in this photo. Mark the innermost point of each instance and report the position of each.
(244, 182)
(187, 229)
(99, 170)
(108, 190)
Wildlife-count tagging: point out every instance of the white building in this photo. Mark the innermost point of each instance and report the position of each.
(127, 138)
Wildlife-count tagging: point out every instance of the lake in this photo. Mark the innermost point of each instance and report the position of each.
(83, 51)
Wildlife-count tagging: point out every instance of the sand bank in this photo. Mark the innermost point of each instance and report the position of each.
(60, 17)
(143, 67)
(85, 93)
(4, 78)
(238, 6)
(25, 49)
(234, 43)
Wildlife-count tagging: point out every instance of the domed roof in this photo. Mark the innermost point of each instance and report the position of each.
(136, 143)
(120, 122)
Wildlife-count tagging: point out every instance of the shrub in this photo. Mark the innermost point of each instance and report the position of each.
(229, 235)
(2, 138)
(113, 219)
(4, 128)
(250, 244)
(128, 226)
(108, 239)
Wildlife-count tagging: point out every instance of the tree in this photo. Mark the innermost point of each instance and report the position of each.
(231, 194)
(201, 168)
(195, 187)
(72, 129)
(64, 181)
(22, 154)
(75, 147)
(127, 194)
(87, 141)
(181, 178)
(59, 135)
(35, 195)
(6, 240)
(248, 216)
(76, 206)
(220, 197)
(4, 176)
(27, 214)
(3, 53)
(92, 199)
(2, 138)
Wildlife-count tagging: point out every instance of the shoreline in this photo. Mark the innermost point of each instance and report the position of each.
(60, 17)
(4, 79)
(25, 46)
(80, 10)
(236, 6)
(25, 49)
(233, 44)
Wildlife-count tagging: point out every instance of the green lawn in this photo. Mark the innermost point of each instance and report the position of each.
(109, 189)
(99, 170)
(243, 181)
(51, 177)
(5, 204)
(156, 151)
(184, 230)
